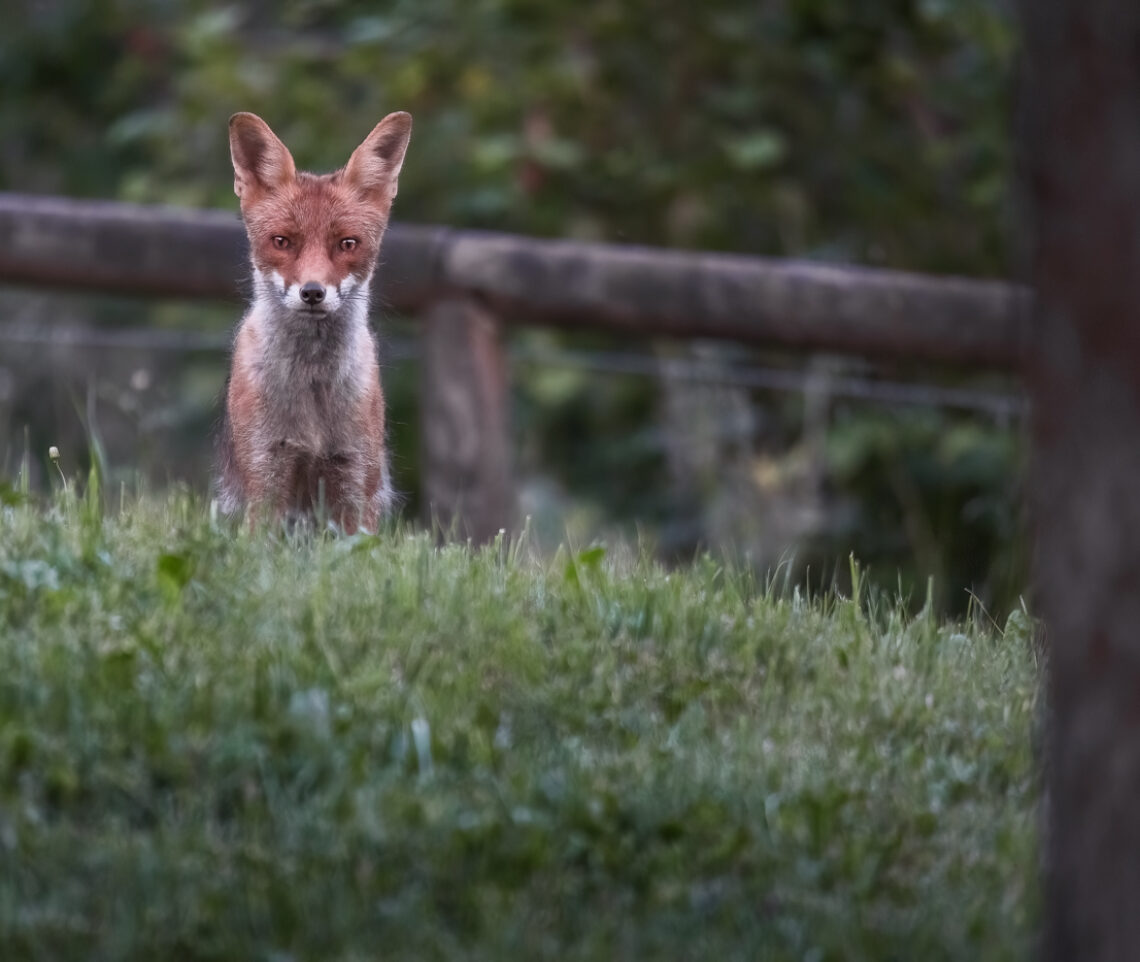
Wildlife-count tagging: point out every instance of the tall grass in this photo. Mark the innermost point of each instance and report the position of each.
(224, 745)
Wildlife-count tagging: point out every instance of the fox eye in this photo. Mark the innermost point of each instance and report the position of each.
(280, 242)
(348, 243)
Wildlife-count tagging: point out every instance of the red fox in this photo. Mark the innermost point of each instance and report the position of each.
(303, 427)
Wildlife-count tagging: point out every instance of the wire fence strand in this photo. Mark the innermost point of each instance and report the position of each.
(713, 372)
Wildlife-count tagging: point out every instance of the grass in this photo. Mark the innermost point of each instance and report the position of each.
(217, 745)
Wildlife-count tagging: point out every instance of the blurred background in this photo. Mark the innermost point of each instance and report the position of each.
(875, 134)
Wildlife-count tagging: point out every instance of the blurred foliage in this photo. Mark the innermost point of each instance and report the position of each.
(871, 133)
(939, 492)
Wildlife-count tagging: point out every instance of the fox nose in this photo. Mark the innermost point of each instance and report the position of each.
(312, 293)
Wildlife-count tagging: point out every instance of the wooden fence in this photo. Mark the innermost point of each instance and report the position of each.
(465, 285)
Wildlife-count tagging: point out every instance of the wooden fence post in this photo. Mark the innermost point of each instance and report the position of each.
(464, 441)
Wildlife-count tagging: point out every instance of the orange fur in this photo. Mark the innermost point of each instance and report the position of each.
(304, 413)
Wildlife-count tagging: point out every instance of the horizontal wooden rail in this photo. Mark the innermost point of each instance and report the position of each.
(158, 251)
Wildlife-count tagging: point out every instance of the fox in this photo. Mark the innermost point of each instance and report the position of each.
(303, 427)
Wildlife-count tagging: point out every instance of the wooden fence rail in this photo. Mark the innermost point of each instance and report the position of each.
(471, 281)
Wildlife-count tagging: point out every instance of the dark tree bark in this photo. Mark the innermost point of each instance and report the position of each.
(1081, 157)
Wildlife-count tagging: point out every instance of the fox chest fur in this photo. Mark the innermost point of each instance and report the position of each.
(303, 429)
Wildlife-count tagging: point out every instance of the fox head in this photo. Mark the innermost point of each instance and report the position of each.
(314, 238)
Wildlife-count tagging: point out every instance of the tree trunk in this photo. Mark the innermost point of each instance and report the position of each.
(1081, 154)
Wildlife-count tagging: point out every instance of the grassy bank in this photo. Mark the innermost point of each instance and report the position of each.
(222, 746)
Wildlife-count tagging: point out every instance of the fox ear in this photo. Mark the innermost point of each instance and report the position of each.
(375, 165)
(261, 161)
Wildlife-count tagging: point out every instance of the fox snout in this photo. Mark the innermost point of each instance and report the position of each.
(311, 296)
(312, 293)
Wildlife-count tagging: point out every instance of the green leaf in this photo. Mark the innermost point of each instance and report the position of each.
(174, 573)
(757, 151)
(11, 496)
(592, 557)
